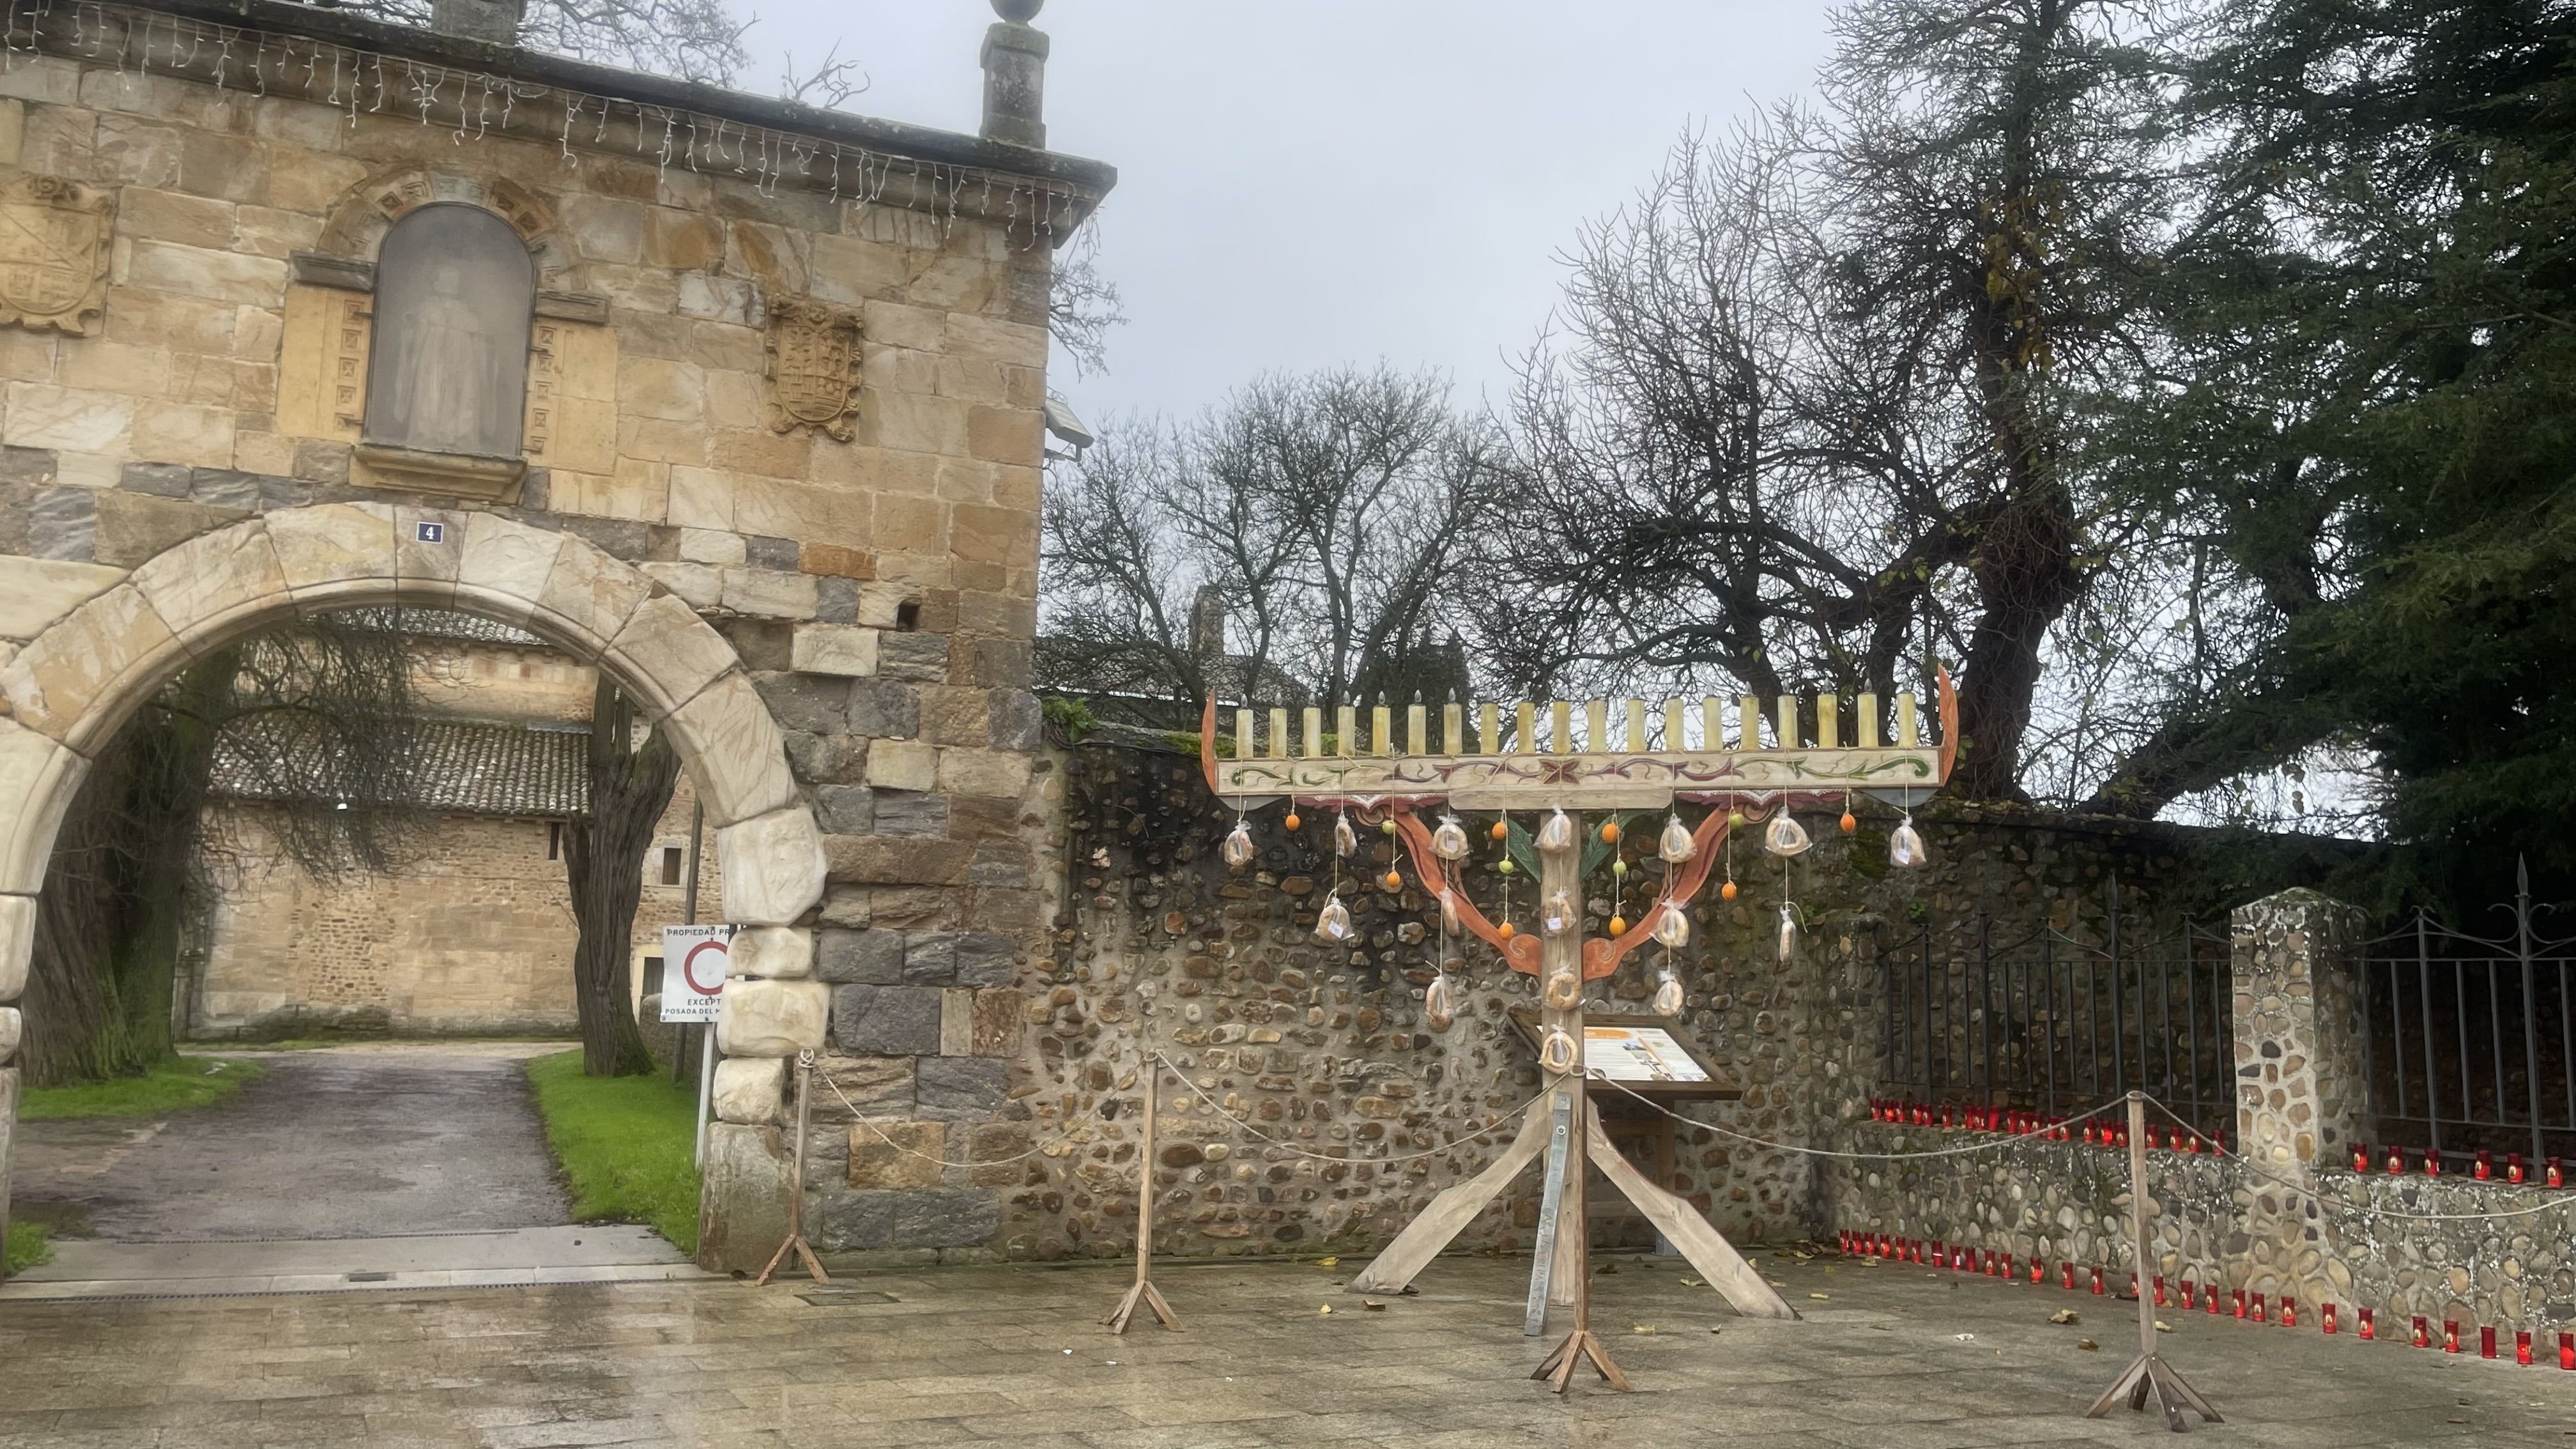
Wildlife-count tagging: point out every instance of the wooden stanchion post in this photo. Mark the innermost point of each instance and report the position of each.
(2149, 1372)
(796, 1189)
(1144, 1291)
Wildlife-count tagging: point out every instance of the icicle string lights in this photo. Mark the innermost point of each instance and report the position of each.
(355, 81)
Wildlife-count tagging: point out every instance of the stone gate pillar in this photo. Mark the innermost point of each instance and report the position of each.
(2298, 1080)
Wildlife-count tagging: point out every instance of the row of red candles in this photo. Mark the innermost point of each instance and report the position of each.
(1994, 1264)
(2015, 1122)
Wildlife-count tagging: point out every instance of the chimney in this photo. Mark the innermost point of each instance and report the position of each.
(1207, 624)
(1015, 55)
(494, 22)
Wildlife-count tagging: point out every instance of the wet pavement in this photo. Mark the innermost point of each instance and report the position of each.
(1888, 1358)
(351, 1141)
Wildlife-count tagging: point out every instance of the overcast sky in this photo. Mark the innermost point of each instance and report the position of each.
(1310, 182)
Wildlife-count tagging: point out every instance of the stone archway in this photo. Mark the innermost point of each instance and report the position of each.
(68, 690)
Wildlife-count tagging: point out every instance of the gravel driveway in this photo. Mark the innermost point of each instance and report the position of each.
(355, 1141)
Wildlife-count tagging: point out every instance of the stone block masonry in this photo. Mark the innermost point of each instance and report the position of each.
(818, 574)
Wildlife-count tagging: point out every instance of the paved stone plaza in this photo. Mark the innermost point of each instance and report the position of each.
(1015, 1356)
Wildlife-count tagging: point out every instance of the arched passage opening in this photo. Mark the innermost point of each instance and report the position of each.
(70, 689)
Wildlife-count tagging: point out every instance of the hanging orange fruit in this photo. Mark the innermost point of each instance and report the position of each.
(1610, 832)
(1726, 891)
(1502, 830)
(1291, 822)
(1618, 926)
(1503, 931)
(1849, 824)
(1394, 882)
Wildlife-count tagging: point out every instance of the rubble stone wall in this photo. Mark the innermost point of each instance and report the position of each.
(2289, 1219)
(1320, 1110)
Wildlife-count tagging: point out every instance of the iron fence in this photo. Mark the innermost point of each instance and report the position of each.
(2047, 1022)
(2467, 1040)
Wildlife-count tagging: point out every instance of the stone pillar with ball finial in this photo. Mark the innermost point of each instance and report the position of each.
(1015, 55)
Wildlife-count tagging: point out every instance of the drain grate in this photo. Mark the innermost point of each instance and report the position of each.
(369, 1277)
(825, 1296)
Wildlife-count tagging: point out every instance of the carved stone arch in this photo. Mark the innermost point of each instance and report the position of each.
(358, 223)
(64, 695)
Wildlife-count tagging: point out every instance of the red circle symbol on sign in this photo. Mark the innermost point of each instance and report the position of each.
(706, 955)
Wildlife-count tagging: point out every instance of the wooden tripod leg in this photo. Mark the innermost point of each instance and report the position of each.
(1449, 1213)
(1144, 1290)
(2168, 1381)
(1579, 1346)
(2132, 1380)
(1705, 1247)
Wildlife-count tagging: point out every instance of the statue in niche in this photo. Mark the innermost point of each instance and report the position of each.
(447, 370)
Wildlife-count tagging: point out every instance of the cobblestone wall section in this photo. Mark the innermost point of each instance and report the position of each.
(1156, 945)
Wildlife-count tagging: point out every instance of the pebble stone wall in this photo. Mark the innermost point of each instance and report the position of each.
(2293, 1219)
(1156, 946)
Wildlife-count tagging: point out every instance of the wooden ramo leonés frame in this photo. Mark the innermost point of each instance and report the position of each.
(1751, 781)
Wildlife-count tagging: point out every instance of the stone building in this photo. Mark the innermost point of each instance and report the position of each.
(736, 399)
(473, 931)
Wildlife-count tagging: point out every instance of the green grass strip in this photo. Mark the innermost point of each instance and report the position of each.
(624, 1145)
(179, 1084)
(27, 1247)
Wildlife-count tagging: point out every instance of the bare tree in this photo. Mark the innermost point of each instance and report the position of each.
(1325, 512)
(1082, 303)
(632, 773)
(315, 720)
(1821, 400)
(832, 83)
(695, 40)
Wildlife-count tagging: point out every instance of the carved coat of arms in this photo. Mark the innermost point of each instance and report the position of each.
(54, 253)
(813, 367)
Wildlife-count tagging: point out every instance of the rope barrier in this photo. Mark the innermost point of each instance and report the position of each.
(1484, 1131)
(1066, 1137)
(2251, 1169)
(1993, 1145)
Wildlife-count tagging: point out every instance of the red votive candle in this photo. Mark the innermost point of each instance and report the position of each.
(2038, 1269)
(2484, 1170)
(2360, 1157)
(2088, 1133)
(2368, 1330)
(2432, 1162)
(2289, 1312)
(2239, 1295)
(2552, 1175)
(2186, 1295)
(2329, 1323)
(2513, 1167)
(1940, 1254)
(2486, 1340)
(2065, 1275)
(2211, 1299)
(2257, 1315)
(2423, 1333)
(2567, 1350)
(2097, 1282)
(2195, 1144)
(2396, 1161)
(2160, 1290)
(2450, 1335)
(2133, 1286)
(2522, 1347)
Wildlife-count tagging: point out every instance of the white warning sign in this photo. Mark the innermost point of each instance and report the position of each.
(693, 970)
